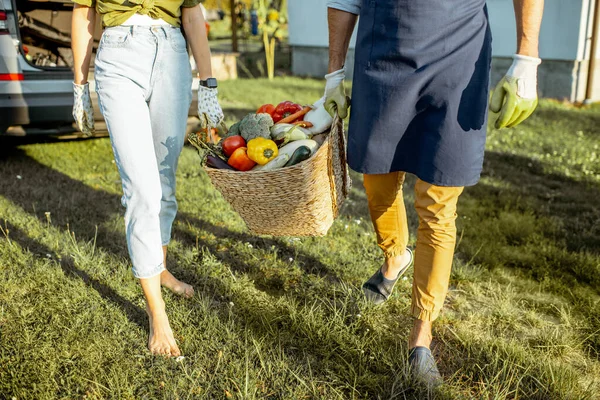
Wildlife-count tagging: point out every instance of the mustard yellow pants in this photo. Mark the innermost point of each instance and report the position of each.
(436, 236)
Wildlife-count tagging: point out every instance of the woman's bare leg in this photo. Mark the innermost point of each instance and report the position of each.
(173, 284)
(161, 340)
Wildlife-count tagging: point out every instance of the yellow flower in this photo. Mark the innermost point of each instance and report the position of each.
(273, 15)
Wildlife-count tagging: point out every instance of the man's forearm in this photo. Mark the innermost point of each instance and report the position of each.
(83, 22)
(528, 14)
(341, 26)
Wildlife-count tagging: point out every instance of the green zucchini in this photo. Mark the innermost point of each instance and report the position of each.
(275, 163)
(302, 153)
(288, 133)
(291, 147)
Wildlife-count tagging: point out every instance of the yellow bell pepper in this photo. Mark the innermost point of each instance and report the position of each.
(261, 150)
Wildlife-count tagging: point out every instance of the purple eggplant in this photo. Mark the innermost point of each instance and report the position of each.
(217, 163)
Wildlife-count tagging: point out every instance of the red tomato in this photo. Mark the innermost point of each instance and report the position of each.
(232, 143)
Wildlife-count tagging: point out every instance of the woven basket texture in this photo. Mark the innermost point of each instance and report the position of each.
(302, 200)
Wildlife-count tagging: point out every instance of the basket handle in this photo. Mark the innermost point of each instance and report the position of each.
(337, 153)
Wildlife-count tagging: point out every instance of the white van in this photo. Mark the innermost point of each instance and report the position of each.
(36, 91)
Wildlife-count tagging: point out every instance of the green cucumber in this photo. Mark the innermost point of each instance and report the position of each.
(302, 153)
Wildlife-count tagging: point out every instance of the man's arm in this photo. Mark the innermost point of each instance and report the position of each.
(341, 20)
(528, 14)
(515, 96)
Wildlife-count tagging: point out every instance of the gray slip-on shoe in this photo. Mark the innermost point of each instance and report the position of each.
(378, 288)
(423, 368)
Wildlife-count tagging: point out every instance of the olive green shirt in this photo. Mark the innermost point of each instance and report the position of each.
(115, 12)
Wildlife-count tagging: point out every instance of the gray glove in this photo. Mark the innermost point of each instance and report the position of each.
(83, 112)
(209, 110)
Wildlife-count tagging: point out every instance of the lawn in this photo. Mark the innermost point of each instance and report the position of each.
(283, 318)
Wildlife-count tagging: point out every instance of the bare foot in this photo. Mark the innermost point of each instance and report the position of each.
(161, 340)
(176, 286)
(392, 266)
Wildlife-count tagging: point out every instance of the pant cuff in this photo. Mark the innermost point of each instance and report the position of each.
(150, 272)
(397, 251)
(424, 315)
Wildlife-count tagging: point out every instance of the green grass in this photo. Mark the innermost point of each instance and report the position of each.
(282, 318)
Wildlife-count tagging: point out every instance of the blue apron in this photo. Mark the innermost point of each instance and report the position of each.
(420, 89)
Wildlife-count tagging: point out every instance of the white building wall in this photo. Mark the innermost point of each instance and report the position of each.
(308, 23)
(564, 41)
(560, 35)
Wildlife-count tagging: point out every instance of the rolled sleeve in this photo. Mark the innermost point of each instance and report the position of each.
(351, 6)
(86, 3)
(190, 3)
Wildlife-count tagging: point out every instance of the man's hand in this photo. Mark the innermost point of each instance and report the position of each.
(515, 96)
(83, 113)
(336, 100)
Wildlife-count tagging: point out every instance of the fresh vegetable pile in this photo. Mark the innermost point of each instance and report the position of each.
(274, 137)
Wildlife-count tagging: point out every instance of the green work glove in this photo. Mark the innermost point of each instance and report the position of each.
(335, 95)
(515, 96)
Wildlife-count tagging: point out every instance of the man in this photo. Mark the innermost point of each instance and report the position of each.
(419, 105)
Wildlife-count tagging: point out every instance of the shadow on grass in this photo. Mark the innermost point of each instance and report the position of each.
(309, 264)
(134, 313)
(573, 203)
(524, 189)
(85, 210)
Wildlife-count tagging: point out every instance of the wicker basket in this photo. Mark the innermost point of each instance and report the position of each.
(302, 200)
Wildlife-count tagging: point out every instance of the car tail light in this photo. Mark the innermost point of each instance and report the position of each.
(3, 23)
(11, 77)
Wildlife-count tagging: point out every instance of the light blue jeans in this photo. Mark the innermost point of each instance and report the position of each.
(144, 86)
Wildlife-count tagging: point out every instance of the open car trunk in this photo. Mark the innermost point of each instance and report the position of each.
(45, 63)
(45, 31)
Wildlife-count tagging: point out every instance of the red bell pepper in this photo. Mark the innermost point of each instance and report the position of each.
(285, 109)
(266, 109)
(240, 160)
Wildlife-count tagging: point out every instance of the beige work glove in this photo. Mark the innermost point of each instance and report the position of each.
(335, 95)
(83, 112)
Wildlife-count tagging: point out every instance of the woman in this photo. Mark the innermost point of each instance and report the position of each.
(143, 80)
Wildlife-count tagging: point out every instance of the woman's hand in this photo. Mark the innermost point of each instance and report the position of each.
(209, 110)
(83, 112)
